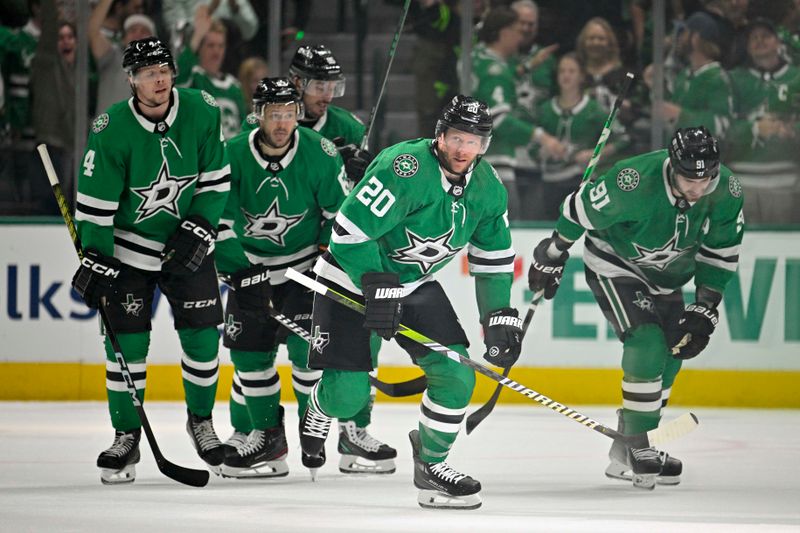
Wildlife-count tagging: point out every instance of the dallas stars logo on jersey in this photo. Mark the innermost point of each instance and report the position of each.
(425, 252)
(162, 194)
(658, 258)
(271, 225)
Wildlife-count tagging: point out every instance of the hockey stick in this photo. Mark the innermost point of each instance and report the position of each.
(672, 430)
(181, 474)
(477, 417)
(392, 49)
(486, 409)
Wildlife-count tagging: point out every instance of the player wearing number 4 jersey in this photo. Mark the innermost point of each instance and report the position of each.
(420, 202)
(151, 189)
(652, 223)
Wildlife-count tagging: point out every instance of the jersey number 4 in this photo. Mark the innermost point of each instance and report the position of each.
(88, 163)
(376, 197)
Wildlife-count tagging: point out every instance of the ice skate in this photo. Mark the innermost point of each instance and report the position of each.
(362, 453)
(440, 486)
(117, 463)
(262, 455)
(236, 439)
(619, 466)
(313, 463)
(205, 441)
(314, 428)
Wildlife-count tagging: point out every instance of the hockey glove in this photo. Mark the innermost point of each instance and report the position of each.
(95, 279)
(355, 159)
(383, 296)
(502, 334)
(186, 249)
(253, 290)
(694, 330)
(549, 258)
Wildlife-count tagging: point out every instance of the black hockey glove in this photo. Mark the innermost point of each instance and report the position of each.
(502, 335)
(355, 159)
(694, 330)
(549, 258)
(383, 296)
(96, 277)
(186, 249)
(253, 290)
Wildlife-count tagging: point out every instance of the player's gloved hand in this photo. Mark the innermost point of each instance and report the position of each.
(253, 290)
(355, 159)
(502, 335)
(383, 297)
(547, 267)
(96, 277)
(694, 330)
(186, 249)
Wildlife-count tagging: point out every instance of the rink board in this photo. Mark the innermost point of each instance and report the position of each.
(50, 348)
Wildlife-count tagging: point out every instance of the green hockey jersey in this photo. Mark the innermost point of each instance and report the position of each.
(226, 90)
(406, 217)
(494, 82)
(138, 180)
(536, 85)
(705, 98)
(635, 229)
(336, 122)
(17, 49)
(756, 160)
(279, 212)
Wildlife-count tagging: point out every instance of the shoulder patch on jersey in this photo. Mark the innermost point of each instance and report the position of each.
(210, 100)
(628, 179)
(405, 165)
(734, 186)
(328, 147)
(495, 69)
(252, 119)
(100, 123)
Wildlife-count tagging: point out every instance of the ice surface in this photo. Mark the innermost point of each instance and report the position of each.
(539, 470)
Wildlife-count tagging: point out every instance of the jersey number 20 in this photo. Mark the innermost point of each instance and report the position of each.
(374, 196)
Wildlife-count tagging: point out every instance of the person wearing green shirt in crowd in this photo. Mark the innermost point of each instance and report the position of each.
(652, 223)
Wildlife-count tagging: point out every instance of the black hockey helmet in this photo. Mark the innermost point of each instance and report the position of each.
(144, 53)
(276, 91)
(467, 114)
(315, 63)
(694, 153)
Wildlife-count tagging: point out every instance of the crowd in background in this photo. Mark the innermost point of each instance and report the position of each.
(549, 71)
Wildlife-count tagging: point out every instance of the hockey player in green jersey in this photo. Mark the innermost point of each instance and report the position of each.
(151, 188)
(318, 76)
(423, 201)
(653, 223)
(287, 183)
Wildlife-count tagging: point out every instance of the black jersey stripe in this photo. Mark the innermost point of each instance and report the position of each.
(475, 260)
(199, 373)
(642, 397)
(439, 417)
(711, 255)
(224, 179)
(138, 248)
(95, 211)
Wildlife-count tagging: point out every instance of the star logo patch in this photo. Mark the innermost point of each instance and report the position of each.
(132, 306)
(162, 194)
(232, 328)
(271, 225)
(319, 340)
(644, 302)
(425, 252)
(658, 258)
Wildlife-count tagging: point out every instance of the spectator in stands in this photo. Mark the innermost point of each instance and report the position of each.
(730, 18)
(112, 84)
(53, 110)
(577, 120)
(251, 71)
(598, 49)
(787, 14)
(702, 92)
(200, 67)
(494, 82)
(762, 141)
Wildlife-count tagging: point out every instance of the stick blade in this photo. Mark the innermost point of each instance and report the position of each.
(672, 430)
(181, 474)
(477, 417)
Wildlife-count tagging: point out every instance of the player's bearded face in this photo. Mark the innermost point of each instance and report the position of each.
(153, 84)
(278, 123)
(459, 149)
(691, 189)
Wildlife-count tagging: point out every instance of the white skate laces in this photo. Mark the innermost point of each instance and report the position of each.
(317, 424)
(205, 435)
(253, 443)
(446, 472)
(360, 437)
(646, 454)
(123, 443)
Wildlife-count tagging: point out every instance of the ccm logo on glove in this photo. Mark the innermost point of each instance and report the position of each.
(710, 314)
(190, 226)
(103, 270)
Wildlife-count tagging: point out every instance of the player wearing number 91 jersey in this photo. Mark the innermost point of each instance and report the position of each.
(420, 202)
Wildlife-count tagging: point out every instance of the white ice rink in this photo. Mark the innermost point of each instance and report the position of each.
(539, 471)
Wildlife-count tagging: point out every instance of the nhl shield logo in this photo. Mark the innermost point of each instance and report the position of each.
(100, 123)
(405, 165)
(734, 186)
(628, 179)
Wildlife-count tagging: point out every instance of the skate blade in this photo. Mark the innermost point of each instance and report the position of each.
(109, 476)
(622, 472)
(313, 472)
(265, 469)
(433, 499)
(353, 464)
(644, 481)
